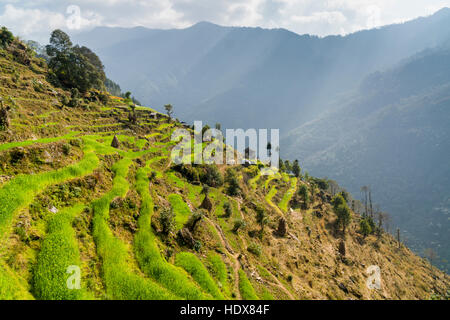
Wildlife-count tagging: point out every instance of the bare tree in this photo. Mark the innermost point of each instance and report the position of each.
(370, 203)
(364, 190)
(169, 110)
(431, 255)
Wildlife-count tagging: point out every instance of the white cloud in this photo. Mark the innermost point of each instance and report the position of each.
(36, 18)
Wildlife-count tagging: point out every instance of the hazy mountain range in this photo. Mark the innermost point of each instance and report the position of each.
(368, 108)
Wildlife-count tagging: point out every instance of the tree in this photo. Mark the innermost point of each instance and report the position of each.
(365, 227)
(261, 218)
(430, 254)
(296, 168)
(345, 195)
(370, 203)
(6, 37)
(70, 68)
(333, 186)
(233, 182)
(169, 110)
(303, 192)
(212, 176)
(93, 59)
(337, 201)
(281, 165)
(365, 189)
(287, 165)
(205, 190)
(195, 218)
(344, 216)
(382, 217)
(59, 43)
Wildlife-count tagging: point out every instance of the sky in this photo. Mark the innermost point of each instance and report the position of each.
(35, 19)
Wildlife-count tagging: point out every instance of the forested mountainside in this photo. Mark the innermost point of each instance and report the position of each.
(86, 181)
(253, 77)
(394, 133)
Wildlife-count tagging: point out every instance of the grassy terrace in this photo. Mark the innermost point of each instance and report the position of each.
(120, 281)
(59, 250)
(283, 205)
(147, 252)
(11, 145)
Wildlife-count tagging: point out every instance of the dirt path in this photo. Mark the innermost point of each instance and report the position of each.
(231, 256)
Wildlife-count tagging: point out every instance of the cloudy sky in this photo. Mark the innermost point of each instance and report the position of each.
(34, 19)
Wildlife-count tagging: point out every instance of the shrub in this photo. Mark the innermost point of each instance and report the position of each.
(233, 183)
(212, 176)
(76, 142)
(227, 209)
(167, 220)
(238, 224)
(195, 218)
(6, 37)
(198, 245)
(303, 192)
(255, 249)
(66, 149)
(365, 228)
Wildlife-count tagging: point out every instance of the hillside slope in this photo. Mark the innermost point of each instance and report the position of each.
(70, 200)
(394, 135)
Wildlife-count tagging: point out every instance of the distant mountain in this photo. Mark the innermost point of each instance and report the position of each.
(367, 108)
(394, 134)
(253, 77)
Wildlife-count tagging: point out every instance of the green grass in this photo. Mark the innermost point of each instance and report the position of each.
(197, 270)
(269, 179)
(147, 252)
(120, 282)
(220, 272)
(181, 210)
(11, 145)
(270, 195)
(246, 288)
(59, 251)
(288, 195)
(20, 191)
(252, 182)
(173, 179)
(12, 288)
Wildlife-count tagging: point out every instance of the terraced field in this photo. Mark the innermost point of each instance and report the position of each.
(81, 219)
(128, 265)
